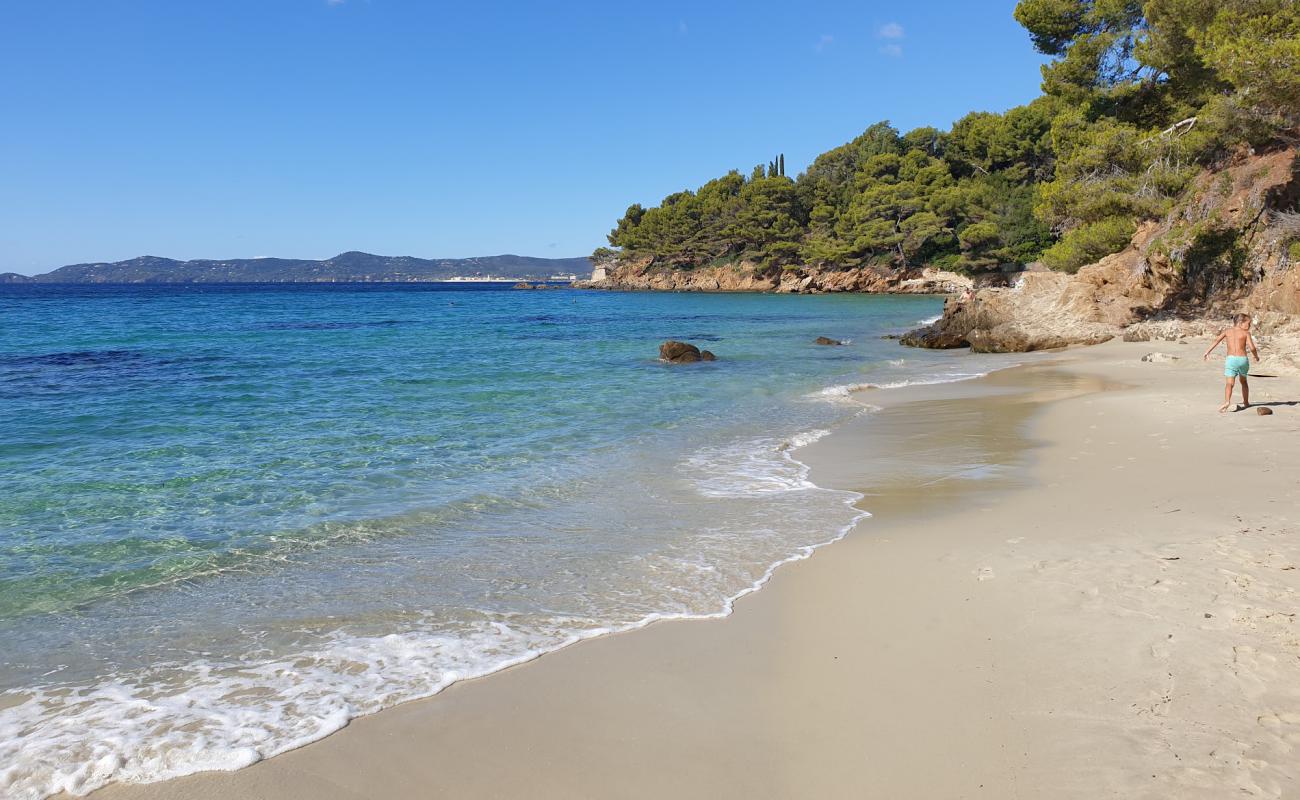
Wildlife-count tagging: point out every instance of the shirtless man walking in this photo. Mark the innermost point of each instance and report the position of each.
(1236, 365)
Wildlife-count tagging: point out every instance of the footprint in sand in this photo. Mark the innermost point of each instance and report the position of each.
(984, 574)
(1278, 721)
(1252, 669)
(1161, 648)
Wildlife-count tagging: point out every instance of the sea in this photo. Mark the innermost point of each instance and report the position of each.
(235, 517)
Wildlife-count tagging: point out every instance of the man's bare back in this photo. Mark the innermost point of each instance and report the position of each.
(1237, 340)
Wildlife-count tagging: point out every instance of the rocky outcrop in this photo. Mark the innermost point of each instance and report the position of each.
(683, 353)
(1228, 247)
(826, 340)
(644, 274)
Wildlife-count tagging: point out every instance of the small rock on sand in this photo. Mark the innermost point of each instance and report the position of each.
(1159, 358)
(1263, 411)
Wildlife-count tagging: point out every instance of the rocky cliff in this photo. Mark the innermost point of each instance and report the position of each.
(644, 275)
(1231, 245)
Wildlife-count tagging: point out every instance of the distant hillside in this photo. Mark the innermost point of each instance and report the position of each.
(345, 267)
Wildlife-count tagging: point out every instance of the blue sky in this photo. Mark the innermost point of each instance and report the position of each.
(304, 128)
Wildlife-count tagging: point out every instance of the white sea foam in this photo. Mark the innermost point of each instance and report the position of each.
(930, 320)
(848, 392)
(841, 393)
(931, 380)
(851, 393)
(804, 439)
(177, 719)
(750, 468)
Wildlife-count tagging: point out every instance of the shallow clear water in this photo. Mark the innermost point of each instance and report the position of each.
(236, 517)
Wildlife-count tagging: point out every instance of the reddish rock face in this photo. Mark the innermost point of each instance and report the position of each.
(1145, 288)
(644, 275)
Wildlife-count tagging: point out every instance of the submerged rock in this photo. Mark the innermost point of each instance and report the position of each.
(827, 340)
(705, 355)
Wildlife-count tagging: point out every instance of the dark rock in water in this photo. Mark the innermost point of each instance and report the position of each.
(1263, 411)
(679, 353)
(827, 340)
(705, 355)
(892, 336)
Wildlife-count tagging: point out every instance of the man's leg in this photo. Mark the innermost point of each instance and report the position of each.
(1227, 393)
(1245, 392)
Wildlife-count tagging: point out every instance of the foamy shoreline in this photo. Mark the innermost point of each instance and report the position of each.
(134, 760)
(222, 690)
(926, 658)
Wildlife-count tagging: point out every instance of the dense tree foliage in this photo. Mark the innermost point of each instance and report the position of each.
(1139, 96)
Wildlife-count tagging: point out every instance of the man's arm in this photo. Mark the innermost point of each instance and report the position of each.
(1253, 347)
(1214, 345)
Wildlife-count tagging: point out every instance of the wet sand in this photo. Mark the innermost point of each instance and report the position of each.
(1078, 581)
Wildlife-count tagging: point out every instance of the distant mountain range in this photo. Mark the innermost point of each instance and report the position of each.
(343, 268)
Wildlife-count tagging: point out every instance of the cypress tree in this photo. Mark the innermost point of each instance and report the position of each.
(781, 164)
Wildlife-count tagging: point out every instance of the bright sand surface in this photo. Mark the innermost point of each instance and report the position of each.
(1079, 581)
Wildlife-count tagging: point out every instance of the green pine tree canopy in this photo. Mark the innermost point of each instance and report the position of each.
(1140, 96)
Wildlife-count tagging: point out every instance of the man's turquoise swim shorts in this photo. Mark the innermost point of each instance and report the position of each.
(1236, 367)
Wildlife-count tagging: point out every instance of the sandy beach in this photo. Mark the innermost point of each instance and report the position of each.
(1078, 581)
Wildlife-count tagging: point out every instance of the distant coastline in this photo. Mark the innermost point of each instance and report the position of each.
(350, 267)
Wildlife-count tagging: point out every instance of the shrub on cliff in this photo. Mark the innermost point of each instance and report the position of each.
(1089, 243)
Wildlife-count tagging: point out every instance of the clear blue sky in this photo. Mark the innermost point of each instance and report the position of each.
(303, 128)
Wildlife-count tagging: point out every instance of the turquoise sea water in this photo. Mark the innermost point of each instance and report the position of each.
(235, 517)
